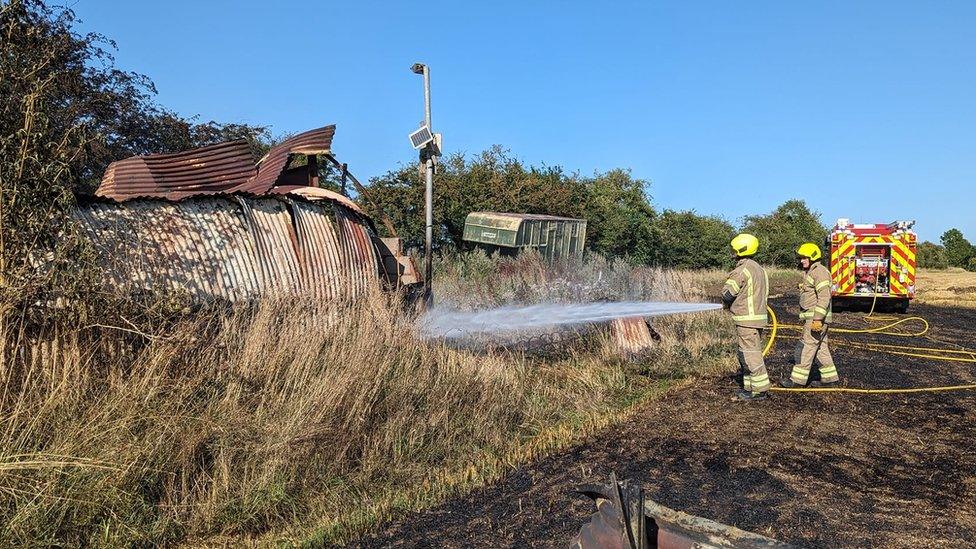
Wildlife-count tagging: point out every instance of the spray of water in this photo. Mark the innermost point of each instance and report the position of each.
(447, 324)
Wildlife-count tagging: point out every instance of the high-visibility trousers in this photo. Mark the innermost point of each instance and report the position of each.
(755, 378)
(812, 349)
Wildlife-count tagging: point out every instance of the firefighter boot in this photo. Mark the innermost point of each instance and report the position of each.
(825, 384)
(788, 383)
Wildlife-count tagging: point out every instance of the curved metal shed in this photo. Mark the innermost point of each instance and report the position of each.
(214, 224)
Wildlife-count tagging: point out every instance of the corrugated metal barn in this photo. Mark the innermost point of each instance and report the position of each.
(212, 223)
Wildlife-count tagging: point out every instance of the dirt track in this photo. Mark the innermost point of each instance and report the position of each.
(817, 470)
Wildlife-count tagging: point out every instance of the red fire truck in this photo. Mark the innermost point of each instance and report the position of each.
(873, 261)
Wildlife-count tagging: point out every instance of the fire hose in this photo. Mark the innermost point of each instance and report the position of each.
(930, 353)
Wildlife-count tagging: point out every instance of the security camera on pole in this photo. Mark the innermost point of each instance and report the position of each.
(429, 145)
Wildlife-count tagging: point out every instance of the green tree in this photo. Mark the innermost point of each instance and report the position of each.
(692, 241)
(620, 218)
(785, 228)
(66, 112)
(931, 256)
(958, 250)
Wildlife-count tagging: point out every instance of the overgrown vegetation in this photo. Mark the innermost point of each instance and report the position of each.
(286, 419)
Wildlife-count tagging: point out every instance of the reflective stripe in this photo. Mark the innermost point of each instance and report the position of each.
(820, 310)
(731, 283)
(799, 375)
(749, 294)
(808, 279)
(806, 314)
(750, 317)
(828, 370)
(823, 285)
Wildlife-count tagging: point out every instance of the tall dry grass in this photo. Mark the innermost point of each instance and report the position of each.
(299, 420)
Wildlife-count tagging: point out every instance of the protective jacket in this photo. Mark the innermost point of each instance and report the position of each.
(745, 294)
(815, 294)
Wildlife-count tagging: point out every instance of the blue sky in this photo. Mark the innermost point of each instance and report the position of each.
(866, 110)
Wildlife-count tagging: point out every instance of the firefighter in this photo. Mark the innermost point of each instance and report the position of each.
(745, 297)
(815, 311)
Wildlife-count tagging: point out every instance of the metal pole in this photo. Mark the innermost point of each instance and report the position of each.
(428, 200)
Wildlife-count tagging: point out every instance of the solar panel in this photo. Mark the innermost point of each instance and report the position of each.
(421, 137)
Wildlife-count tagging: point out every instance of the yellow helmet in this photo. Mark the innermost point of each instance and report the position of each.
(809, 250)
(745, 245)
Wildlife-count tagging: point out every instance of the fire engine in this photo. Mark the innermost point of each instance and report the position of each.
(875, 261)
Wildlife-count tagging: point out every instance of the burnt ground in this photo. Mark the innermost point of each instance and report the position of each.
(817, 470)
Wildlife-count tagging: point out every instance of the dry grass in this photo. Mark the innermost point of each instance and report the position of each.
(290, 421)
(955, 287)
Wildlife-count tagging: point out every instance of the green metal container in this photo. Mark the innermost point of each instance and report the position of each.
(553, 237)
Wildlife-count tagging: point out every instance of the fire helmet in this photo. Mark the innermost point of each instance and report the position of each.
(809, 250)
(744, 245)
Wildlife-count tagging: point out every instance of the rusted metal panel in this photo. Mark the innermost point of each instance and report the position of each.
(677, 530)
(626, 520)
(318, 193)
(338, 253)
(212, 169)
(400, 268)
(272, 167)
(233, 247)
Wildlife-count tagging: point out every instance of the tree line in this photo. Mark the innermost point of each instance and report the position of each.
(622, 221)
(955, 251)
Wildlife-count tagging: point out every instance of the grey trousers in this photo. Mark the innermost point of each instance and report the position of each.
(812, 349)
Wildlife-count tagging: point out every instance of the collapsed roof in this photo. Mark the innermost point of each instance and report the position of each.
(223, 168)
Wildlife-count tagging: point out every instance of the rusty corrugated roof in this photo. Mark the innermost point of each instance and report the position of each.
(214, 169)
(272, 167)
(206, 170)
(318, 193)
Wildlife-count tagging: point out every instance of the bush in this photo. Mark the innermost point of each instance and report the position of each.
(931, 256)
(782, 230)
(692, 241)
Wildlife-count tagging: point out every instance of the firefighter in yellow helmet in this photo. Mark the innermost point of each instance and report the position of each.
(745, 296)
(816, 314)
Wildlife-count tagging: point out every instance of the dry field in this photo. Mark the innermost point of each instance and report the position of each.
(954, 287)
